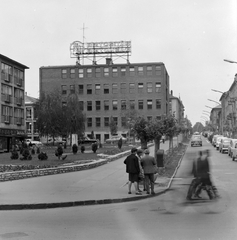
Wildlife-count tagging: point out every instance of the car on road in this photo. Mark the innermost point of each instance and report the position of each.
(224, 145)
(231, 146)
(33, 143)
(86, 140)
(214, 139)
(115, 139)
(218, 141)
(196, 140)
(234, 152)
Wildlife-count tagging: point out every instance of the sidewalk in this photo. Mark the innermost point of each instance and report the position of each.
(104, 184)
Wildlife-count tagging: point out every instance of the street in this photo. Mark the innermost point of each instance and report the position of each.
(146, 219)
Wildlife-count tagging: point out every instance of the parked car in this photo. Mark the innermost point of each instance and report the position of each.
(115, 139)
(231, 147)
(224, 144)
(214, 139)
(86, 140)
(196, 140)
(234, 152)
(218, 141)
(33, 142)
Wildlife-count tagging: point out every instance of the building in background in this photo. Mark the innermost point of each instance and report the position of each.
(110, 91)
(31, 117)
(176, 107)
(215, 119)
(12, 104)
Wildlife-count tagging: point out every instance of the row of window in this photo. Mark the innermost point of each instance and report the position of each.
(8, 73)
(112, 88)
(124, 104)
(98, 121)
(99, 72)
(9, 114)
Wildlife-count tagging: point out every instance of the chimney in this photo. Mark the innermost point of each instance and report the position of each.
(171, 92)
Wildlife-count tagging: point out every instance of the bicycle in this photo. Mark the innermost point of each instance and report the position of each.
(175, 201)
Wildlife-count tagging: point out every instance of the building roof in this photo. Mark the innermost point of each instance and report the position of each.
(30, 100)
(13, 61)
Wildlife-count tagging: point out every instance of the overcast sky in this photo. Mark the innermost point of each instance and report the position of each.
(190, 37)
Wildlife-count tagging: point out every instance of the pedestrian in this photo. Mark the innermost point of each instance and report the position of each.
(133, 170)
(149, 166)
(141, 175)
(59, 152)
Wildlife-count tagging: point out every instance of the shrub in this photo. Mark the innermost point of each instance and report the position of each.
(82, 149)
(43, 156)
(120, 143)
(33, 151)
(14, 155)
(38, 150)
(94, 147)
(74, 148)
(26, 154)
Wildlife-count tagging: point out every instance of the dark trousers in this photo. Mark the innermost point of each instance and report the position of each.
(149, 179)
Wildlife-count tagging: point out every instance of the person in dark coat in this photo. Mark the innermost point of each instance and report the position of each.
(133, 170)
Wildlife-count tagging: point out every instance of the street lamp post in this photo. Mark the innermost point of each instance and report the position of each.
(213, 101)
(229, 61)
(208, 107)
(217, 91)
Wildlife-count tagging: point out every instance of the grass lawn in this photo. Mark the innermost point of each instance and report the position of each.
(107, 149)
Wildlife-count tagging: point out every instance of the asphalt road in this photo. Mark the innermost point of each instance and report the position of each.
(145, 219)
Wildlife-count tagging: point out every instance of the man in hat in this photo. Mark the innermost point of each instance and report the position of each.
(149, 166)
(133, 170)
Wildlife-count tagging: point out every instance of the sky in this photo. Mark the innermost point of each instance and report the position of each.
(192, 38)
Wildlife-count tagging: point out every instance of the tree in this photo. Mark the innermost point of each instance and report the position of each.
(57, 117)
(113, 126)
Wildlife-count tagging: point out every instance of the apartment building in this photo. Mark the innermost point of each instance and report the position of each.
(176, 107)
(31, 116)
(108, 90)
(12, 105)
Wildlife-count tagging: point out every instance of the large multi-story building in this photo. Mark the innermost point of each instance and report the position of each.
(176, 107)
(12, 105)
(108, 90)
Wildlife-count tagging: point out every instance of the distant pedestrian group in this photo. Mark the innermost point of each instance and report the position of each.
(140, 169)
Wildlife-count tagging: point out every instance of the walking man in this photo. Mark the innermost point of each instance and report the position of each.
(133, 170)
(149, 165)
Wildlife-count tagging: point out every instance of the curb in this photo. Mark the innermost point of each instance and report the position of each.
(87, 202)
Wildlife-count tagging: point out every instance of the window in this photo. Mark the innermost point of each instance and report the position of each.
(115, 104)
(97, 72)
(140, 87)
(149, 104)
(114, 88)
(18, 77)
(115, 120)
(158, 103)
(115, 72)
(106, 72)
(106, 105)
(131, 87)
(89, 72)
(106, 88)
(64, 73)
(97, 105)
(123, 71)
(72, 89)
(64, 89)
(149, 70)
(81, 105)
(140, 71)
(97, 88)
(123, 122)
(132, 104)
(106, 121)
(89, 105)
(140, 104)
(131, 71)
(158, 86)
(89, 88)
(89, 122)
(80, 73)
(123, 104)
(123, 87)
(28, 113)
(7, 72)
(106, 136)
(18, 116)
(80, 89)
(149, 118)
(7, 114)
(97, 122)
(72, 73)
(149, 87)
(158, 70)
(158, 117)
